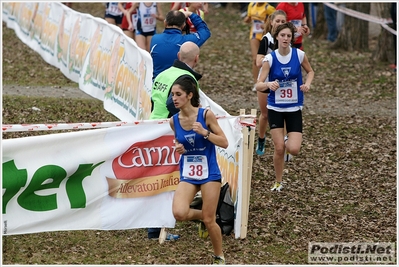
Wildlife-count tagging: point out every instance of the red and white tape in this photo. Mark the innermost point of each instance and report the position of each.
(356, 14)
(67, 126)
(247, 120)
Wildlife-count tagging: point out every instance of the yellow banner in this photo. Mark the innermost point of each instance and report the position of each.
(143, 187)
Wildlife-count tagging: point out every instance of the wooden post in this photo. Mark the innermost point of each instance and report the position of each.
(248, 150)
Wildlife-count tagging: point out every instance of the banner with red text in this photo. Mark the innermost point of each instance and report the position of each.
(113, 178)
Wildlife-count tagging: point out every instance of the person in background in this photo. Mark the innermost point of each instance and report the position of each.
(166, 45)
(129, 19)
(197, 133)
(147, 15)
(266, 47)
(282, 74)
(313, 17)
(113, 14)
(257, 14)
(188, 57)
(194, 7)
(330, 15)
(296, 14)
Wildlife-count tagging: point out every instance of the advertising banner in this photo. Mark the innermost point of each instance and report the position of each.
(112, 178)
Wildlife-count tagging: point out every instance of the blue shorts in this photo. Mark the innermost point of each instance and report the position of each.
(200, 182)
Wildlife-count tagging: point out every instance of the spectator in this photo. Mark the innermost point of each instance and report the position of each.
(330, 15)
(296, 14)
(313, 15)
(188, 57)
(166, 45)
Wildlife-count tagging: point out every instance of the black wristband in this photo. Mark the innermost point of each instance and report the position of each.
(207, 136)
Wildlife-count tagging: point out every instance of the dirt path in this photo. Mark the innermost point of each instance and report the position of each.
(66, 92)
(332, 106)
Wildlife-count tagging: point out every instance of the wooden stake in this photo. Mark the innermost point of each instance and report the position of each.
(247, 162)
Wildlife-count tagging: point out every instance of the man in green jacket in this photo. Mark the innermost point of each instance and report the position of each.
(188, 57)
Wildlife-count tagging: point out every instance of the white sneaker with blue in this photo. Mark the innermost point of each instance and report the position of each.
(165, 236)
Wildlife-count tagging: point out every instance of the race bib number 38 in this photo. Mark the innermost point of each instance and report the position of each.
(195, 167)
(287, 93)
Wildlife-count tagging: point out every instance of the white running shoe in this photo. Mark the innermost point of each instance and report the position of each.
(277, 187)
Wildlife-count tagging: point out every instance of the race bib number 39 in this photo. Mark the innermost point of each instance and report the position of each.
(287, 93)
(195, 167)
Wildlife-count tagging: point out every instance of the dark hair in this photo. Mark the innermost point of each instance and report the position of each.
(189, 85)
(281, 27)
(175, 18)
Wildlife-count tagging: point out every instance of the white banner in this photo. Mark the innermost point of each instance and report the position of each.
(113, 178)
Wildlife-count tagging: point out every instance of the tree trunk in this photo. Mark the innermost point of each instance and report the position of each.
(354, 34)
(385, 50)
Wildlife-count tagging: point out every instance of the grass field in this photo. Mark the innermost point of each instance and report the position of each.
(341, 188)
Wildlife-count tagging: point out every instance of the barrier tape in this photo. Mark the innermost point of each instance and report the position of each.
(356, 14)
(250, 120)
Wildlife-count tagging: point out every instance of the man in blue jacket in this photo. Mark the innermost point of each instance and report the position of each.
(166, 45)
